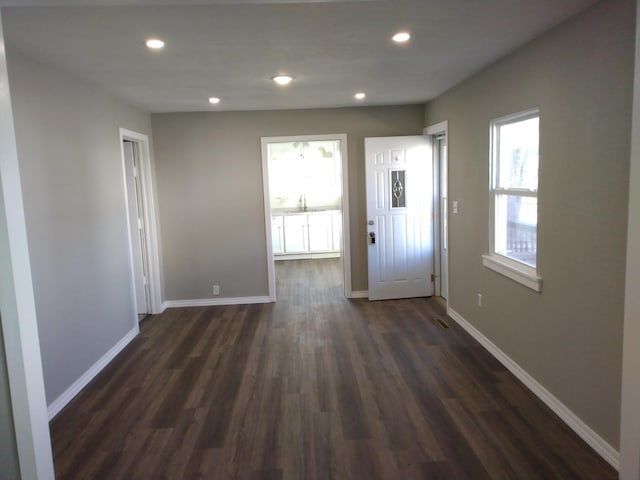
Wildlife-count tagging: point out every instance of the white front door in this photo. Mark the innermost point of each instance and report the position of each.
(399, 184)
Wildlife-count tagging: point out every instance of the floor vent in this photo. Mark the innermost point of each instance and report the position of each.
(441, 323)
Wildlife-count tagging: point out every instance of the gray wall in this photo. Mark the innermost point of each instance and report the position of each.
(209, 178)
(69, 154)
(10, 469)
(569, 337)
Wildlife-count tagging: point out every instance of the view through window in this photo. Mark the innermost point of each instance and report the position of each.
(514, 190)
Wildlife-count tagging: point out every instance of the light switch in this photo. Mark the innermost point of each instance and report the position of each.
(455, 207)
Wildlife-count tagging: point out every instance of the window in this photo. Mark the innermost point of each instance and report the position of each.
(514, 198)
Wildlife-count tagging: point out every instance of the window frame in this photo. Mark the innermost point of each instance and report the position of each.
(510, 267)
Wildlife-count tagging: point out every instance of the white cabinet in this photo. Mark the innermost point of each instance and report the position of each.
(277, 234)
(320, 232)
(336, 220)
(303, 234)
(295, 234)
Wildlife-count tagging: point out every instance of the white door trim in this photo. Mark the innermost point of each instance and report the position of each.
(441, 128)
(17, 305)
(345, 250)
(630, 412)
(150, 227)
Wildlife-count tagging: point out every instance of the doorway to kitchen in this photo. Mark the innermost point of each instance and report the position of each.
(306, 205)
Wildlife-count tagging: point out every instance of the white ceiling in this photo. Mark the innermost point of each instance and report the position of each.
(231, 48)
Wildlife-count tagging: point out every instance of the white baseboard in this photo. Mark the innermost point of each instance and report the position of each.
(59, 403)
(600, 445)
(360, 294)
(207, 302)
(163, 307)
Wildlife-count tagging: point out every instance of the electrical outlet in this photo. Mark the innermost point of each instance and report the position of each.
(216, 289)
(480, 300)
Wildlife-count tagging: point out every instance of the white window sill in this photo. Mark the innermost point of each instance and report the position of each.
(527, 279)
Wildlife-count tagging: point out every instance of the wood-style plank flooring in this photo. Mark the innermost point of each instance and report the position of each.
(312, 387)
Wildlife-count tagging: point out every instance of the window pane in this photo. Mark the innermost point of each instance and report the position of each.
(305, 173)
(518, 154)
(516, 220)
(398, 189)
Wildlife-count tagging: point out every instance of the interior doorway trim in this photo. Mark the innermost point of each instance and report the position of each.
(345, 250)
(150, 223)
(28, 409)
(432, 132)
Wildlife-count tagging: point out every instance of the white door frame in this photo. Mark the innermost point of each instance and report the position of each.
(345, 247)
(431, 132)
(150, 224)
(17, 305)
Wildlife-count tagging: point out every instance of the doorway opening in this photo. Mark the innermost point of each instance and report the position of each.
(438, 134)
(306, 205)
(143, 251)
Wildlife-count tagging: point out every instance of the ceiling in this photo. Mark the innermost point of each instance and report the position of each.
(231, 48)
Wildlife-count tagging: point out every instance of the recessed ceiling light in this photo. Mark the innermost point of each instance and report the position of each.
(401, 37)
(282, 79)
(214, 100)
(154, 43)
(360, 95)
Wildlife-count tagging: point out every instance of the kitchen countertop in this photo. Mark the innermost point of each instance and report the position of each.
(286, 211)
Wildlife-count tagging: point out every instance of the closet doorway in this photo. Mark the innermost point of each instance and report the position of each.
(438, 134)
(144, 257)
(306, 206)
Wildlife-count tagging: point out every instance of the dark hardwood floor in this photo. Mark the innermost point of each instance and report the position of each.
(312, 387)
